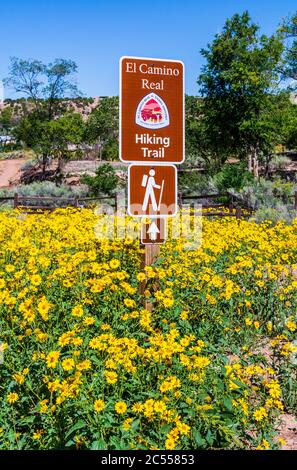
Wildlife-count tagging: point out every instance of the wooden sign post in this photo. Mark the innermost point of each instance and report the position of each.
(152, 138)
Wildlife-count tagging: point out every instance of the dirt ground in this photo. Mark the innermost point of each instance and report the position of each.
(9, 171)
(288, 432)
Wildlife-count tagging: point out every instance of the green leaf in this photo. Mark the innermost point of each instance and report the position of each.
(209, 437)
(198, 438)
(135, 424)
(80, 424)
(99, 444)
(228, 403)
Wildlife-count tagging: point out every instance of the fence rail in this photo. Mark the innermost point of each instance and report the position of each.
(231, 206)
(50, 203)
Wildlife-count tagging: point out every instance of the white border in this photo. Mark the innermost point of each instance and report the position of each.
(153, 216)
(120, 109)
(165, 231)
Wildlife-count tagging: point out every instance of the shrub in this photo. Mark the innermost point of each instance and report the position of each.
(50, 189)
(10, 155)
(232, 176)
(266, 193)
(111, 150)
(28, 164)
(104, 182)
(279, 163)
(274, 214)
(193, 182)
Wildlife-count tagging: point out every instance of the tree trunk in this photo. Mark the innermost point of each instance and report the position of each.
(44, 163)
(255, 165)
(266, 170)
(250, 163)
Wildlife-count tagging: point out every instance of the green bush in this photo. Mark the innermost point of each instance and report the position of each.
(274, 214)
(104, 182)
(265, 193)
(110, 151)
(232, 176)
(10, 155)
(193, 182)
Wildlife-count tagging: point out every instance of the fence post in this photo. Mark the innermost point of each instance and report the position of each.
(116, 203)
(15, 200)
(238, 212)
(76, 199)
(295, 204)
(180, 199)
(231, 203)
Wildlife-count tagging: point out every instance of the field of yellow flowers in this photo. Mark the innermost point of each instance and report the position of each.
(86, 366)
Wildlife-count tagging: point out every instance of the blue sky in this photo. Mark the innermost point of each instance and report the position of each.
(96, 33)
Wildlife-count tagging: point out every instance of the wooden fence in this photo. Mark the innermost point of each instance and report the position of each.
(50, 203)
(222, 204)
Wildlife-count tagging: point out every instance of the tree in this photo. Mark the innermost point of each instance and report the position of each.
(66, 130)
(50, 138)
(290, 56)
(6, 118)
(199, 149)
(44, 84)
(26, 77)
(291, 134)
(44, 126)
(241, 71)
(103, 124)
(105, 181)
(274, 125)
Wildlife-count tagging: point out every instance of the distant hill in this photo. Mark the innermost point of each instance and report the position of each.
(81, 105)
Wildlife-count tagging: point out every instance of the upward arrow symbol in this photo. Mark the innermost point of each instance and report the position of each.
(153, 231)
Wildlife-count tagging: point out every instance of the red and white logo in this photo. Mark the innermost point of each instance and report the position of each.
(152, 112)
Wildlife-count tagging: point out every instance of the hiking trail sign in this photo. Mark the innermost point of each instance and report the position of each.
(152, 190)
(151, 111)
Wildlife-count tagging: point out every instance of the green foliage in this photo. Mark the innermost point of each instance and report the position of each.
(232, 176)
(241, 69)
(6, 118)
(6, 154)
(105, 181)
(45, 126)
(290, 67)
(45, 188)
(291, 135)
(110, 150)
(47, 82)
(103, 124)
(281, 213)
(279, 162)
(193, 182)
(50, 138)
(267, 194)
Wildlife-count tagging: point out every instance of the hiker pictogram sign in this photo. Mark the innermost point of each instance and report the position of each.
(152, 190)
(153, 231)
(151, 110)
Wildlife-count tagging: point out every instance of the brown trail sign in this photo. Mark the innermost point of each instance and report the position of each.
(152, 135)
(152, 190)
(153, 231)
(151, 110)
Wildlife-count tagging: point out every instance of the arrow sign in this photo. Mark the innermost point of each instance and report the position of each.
(153, 231)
